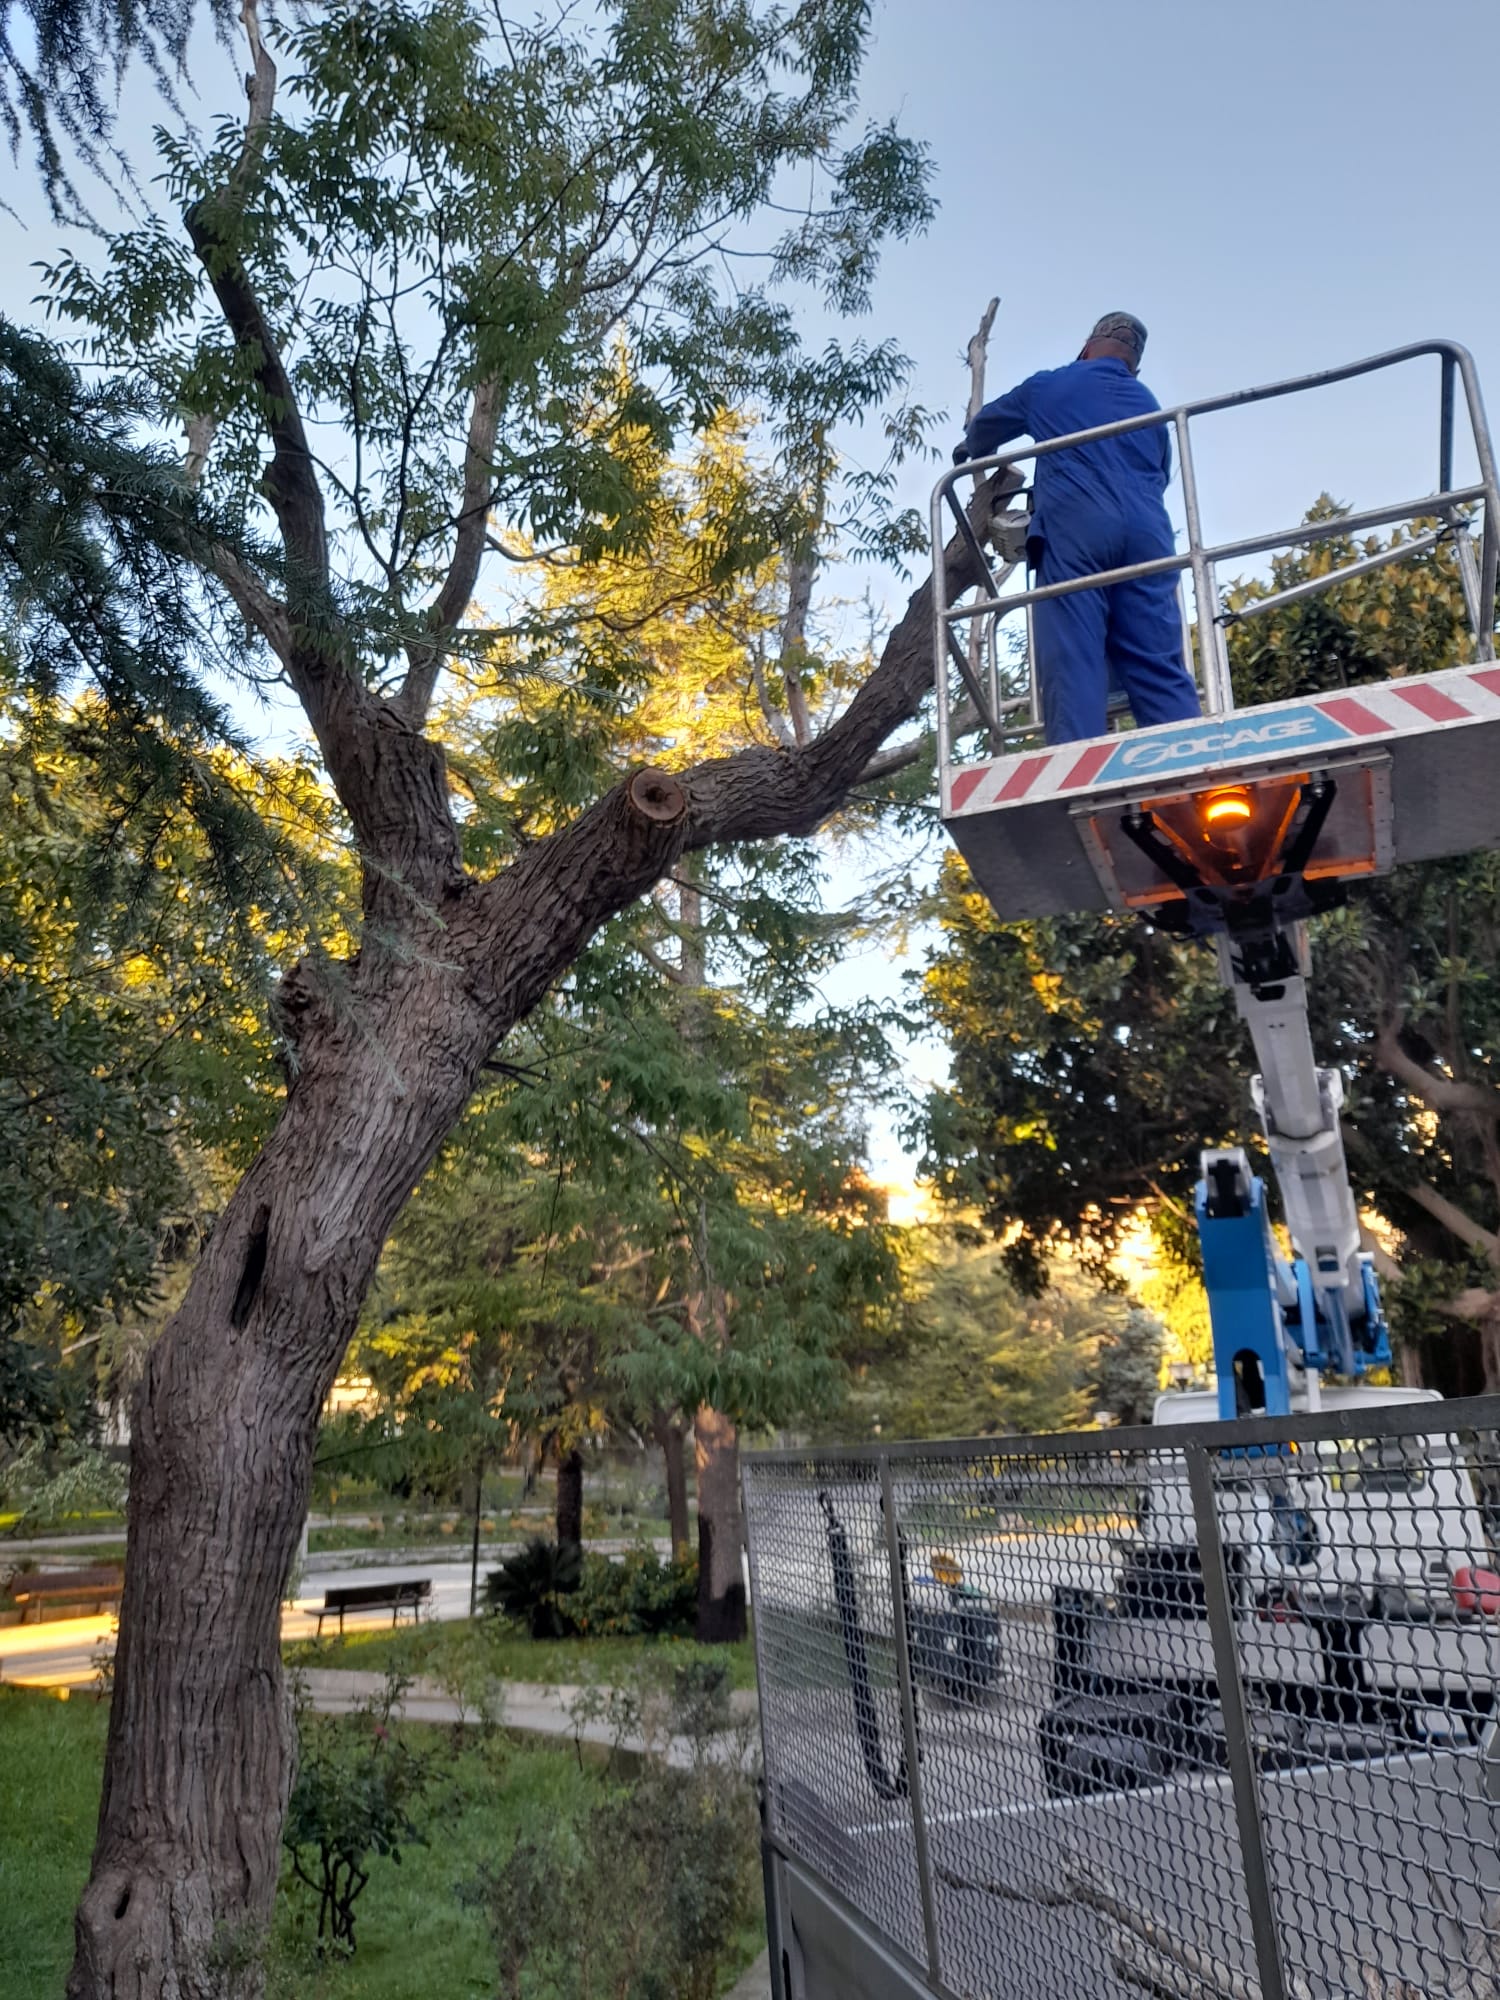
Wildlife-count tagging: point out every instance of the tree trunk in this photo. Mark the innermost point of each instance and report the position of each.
(474, 1546)
(570, 1498)
(1489, 1338)
(672, 1439)
(201, 1746)
(721, 1571)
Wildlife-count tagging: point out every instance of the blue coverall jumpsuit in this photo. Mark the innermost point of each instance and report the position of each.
(1096, 506)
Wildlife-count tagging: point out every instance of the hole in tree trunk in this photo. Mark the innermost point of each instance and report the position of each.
(124, 1903)
(254, 1271)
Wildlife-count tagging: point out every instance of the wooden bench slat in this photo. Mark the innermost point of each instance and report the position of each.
(408, 1595)
(28, 1588)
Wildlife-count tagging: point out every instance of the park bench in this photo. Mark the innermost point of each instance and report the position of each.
(392, 1597)
(85, 1588)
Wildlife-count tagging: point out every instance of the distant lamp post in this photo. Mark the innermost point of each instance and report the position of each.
(1180, 1374)
(1104, 1419)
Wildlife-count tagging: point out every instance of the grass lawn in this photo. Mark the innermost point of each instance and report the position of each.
(416, 1938)
(50, 1753)
(507, 1654)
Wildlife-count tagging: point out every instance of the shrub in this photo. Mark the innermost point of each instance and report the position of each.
(642, 1900)
(638, 1596)
(357, 1786)
(531, 1587)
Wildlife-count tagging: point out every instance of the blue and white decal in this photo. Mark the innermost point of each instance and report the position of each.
(1182, 746)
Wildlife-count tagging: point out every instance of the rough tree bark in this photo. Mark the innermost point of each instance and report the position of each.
(570, 1498)
(671, 1439)
(381, 1061)
(721, 1573)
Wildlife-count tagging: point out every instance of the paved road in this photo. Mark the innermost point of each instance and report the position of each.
(62, 1652)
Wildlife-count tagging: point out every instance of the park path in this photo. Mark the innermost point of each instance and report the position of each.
(535, 1708)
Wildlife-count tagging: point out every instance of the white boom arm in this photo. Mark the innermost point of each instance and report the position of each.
(1298, 1105)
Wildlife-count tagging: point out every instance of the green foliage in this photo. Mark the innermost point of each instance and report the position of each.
(660, 1204)
(60, 75)
(415, 1937)
(508, 205)
(535, 1586)
(52, 1484)
(506, 1653)
(1093, 1058)
(1128, 1370)
(136, 1057)
(643, 1899)
(355, 1797)
(640, 1596)
(974, 1357)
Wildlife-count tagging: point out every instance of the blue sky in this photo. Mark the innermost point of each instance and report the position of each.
(1273, 187)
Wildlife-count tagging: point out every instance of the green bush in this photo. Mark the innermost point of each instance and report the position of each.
(535, 1587)
(639, 1596)
(644, 1899)
(358, 1785)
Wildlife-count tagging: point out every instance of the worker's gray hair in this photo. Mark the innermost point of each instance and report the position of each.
(1126, 329)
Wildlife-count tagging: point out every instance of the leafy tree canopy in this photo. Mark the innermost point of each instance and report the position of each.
(136, 1047)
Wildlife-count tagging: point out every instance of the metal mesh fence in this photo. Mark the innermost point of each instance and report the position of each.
(1205, 1710)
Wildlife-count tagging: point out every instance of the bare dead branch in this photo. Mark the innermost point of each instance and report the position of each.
(775, 721)
(977, 353)
(801, 568)
(201, 428)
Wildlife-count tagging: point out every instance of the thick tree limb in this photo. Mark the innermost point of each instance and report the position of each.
(212, 225)
(664, 966)
(1386, 1268)
(259, 607)
(1453, 1219)
(901, 756)
(527, 925)
(1475, 1306)
(1439, 1093)
(291, 482)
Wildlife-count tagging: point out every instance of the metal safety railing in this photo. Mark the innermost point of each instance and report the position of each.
(979, 670)
(1203, 1710)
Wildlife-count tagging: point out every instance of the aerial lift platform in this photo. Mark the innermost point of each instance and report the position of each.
(1237, 827)
(1208, 1708)
(1047, 830)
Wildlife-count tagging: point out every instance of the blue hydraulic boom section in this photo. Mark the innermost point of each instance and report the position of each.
(1268, 1314)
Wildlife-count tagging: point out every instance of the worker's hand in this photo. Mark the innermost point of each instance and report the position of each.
(960, 454)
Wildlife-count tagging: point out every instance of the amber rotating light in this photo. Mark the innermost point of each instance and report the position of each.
(1225, 812)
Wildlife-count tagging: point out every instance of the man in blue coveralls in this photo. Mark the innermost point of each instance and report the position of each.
(1097, 506)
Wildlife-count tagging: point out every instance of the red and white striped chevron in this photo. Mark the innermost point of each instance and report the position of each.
(1386, 709)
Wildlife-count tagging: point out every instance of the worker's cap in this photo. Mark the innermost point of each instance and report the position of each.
(1126, 329)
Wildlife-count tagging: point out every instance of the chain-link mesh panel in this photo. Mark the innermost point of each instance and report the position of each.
(1072, 1780)
(1367, 1623)
(837, 1786)
(1104, 1702)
